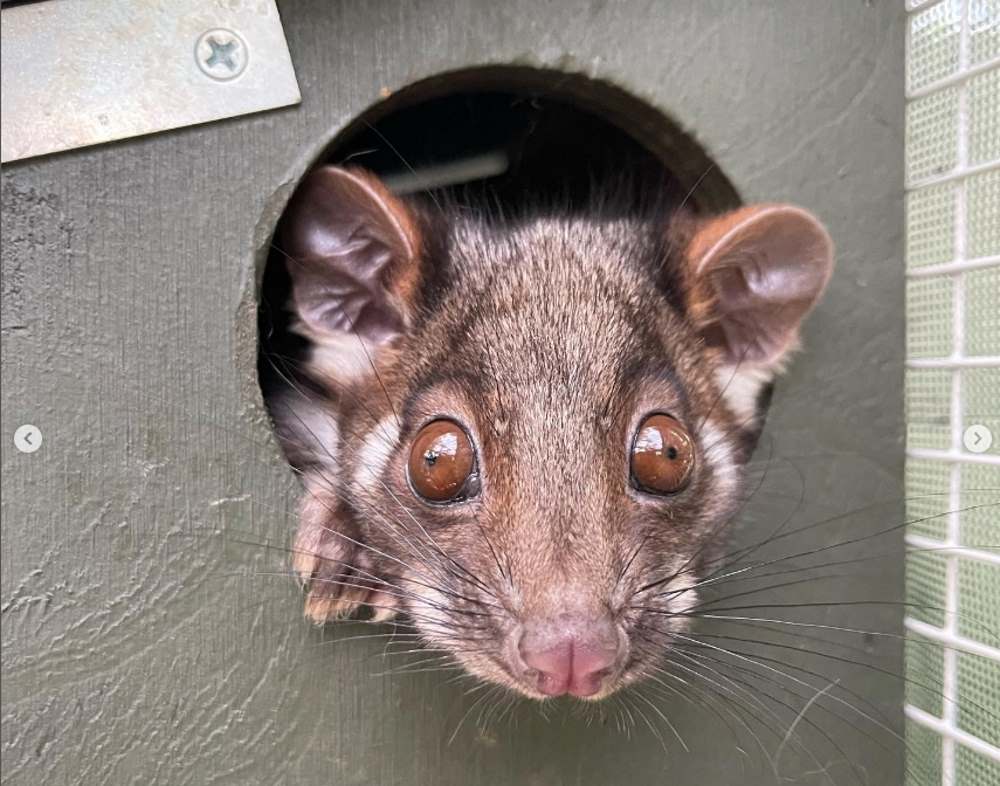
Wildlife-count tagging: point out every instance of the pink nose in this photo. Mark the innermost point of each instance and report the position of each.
(569, 656)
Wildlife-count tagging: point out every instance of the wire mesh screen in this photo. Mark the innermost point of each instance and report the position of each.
(952, 392)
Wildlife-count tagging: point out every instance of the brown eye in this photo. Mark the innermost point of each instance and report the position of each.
(442, 462)
(662, 455)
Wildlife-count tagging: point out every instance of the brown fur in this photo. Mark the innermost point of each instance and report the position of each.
(549, 339)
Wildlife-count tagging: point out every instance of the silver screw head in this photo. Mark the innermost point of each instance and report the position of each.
(221, 54)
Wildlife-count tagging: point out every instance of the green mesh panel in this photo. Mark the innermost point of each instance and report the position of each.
(980, 391)
(932, 135)
(934, 42)
(974, 770)
(923, 760)
(928, 401)
(984, 117)
(979, 501)
(979, 611)
(984, 31)
(925, 587)
(925, 674)
(953, 381)
(929, 306)
(927, 500)
(982, 311)
(978, 693)
(983, 229)
(930, 226)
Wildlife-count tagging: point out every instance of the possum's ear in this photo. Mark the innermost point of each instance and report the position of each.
(756, 273)
(352, 252)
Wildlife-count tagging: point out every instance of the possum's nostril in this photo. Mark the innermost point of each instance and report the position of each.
(569, 655)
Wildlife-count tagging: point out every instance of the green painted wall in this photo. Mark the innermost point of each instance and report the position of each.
(141, 642)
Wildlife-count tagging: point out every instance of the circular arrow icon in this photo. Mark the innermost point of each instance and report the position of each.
(977, 438)
(28, 438)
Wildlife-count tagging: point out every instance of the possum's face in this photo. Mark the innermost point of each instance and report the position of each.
(531, 437)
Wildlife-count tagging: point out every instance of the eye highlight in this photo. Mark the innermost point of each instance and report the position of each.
(442, 464)
(663, 455)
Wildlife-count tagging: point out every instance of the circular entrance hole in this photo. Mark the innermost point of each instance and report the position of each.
(514, 139)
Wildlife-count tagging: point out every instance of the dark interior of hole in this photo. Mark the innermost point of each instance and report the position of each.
(555, 153)
(555, 156)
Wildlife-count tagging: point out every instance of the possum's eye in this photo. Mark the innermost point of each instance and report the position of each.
(662, 455)
(442, 465)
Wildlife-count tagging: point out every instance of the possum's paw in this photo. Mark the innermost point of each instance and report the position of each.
(338, 573)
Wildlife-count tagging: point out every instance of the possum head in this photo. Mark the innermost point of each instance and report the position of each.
(530, 435)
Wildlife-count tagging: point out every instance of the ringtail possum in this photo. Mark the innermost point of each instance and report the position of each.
(528, 434)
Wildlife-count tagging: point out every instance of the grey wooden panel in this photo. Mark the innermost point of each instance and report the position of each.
(141, 646)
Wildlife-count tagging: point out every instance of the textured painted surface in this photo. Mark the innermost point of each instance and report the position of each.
(140, 642)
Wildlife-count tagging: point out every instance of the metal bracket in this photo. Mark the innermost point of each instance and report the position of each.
(81, 72)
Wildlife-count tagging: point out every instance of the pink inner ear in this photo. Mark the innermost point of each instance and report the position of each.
(331, 299)
(766, 267)
(347, 238)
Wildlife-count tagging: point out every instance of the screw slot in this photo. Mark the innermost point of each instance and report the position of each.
(221, 54)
